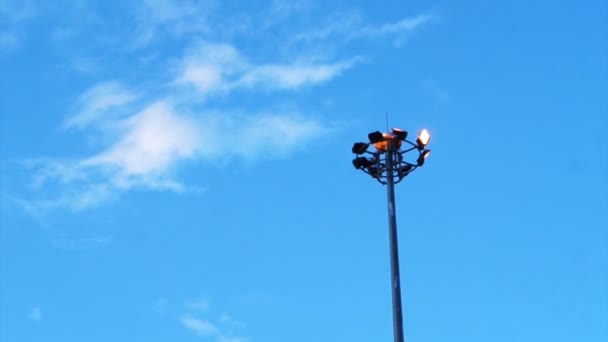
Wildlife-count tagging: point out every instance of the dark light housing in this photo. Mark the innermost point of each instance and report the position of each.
(360, 147)
(361, 162)
(400, 133)
(375, 172)
(376, 137)
(404, 170)
(422, 157)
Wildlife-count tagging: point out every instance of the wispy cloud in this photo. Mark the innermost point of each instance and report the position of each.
(209, 67)
(292, 76)
(149, 147)
(351, 26)
(402, 26)
(206, 328)
(97, 103)
(152, 141)
(198, 326)
(220, 68)
(35, 314)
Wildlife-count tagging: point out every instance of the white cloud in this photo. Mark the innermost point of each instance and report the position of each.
(35, 314)
(220, 68)
(271, 134)
(149, 146)
(402, 26)
(210, 66)
(351, 26)
(198, 326)
(97, 103)
(291, 76)
(205, 328)
(153, 141)
(204, 77)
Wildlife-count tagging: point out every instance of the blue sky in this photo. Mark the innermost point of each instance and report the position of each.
(181, 170)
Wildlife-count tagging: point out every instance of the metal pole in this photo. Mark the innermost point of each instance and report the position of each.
(392, 227)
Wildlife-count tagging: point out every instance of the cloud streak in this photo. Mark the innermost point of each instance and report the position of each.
(351, 27)
(199, 326)
(213, 68)
(97, 103)
(292, 76)
(402, 26)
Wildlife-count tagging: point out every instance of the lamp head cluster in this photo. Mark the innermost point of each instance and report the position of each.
(371, 157)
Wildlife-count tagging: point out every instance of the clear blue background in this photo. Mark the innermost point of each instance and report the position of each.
(503, 233)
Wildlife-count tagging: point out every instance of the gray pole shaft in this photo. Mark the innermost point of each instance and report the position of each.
(394, 250)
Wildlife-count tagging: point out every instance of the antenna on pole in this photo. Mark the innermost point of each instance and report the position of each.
(386, 117)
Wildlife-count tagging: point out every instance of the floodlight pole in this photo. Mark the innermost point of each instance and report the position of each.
(394, 250)
(388, 166)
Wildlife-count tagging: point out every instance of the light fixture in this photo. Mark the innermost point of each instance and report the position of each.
(400, 133)
(361, 162)
(375, 137)
(404, 170)
(383, 144)
(360, 147)
(423, 138)
(375, 172)
(422, 157)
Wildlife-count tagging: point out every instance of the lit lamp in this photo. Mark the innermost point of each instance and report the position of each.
(423, 138)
